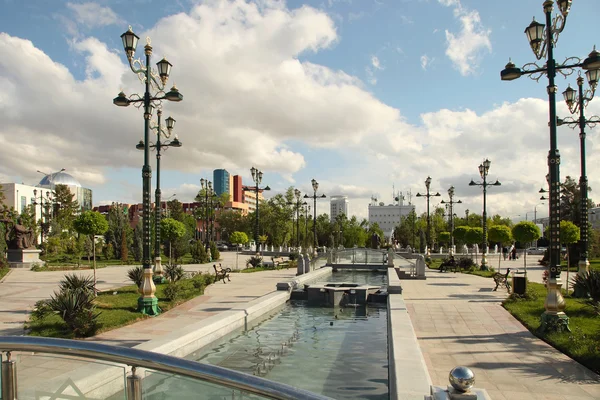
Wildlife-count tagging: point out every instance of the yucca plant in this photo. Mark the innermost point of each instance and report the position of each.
(77, 283)
(588, 284)
(174, 272)
(77, 309)
(136, 275)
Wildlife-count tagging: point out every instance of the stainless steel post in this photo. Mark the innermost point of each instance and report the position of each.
(9, 378)
(134, 386)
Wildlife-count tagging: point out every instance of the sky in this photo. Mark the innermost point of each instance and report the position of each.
(365, 96)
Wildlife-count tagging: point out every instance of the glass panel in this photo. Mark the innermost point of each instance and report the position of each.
(163, 386)
(58, 377)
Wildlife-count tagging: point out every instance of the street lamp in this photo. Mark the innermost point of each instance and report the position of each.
(428, 195)
(483, 171)
(577, 102)
(451, 204)
(542, 39)
(257, 178)
(154, 81)
(166, 132)
(41, 204)
(207, 223)
(306, 214)
(315, 186)
(297, 204)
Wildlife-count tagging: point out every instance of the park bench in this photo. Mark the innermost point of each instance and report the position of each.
(221, 273)
(502, 280)
(278, 262)
(449, 265)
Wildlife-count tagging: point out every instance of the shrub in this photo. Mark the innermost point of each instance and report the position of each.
(294, 256)
(588, 282)
(173, 291)
(77, 309)
(466, 263)
(41, 309)
(198, 252)
(202, 280)
(136, 275)
(77, 283)
(255, 261)
(214, 252)
(174, 272)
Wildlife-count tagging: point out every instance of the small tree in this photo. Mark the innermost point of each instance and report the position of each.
(502, 235)
(474, 236)
(91, 223)
(569, 234)
(526, 231)
(238, 238)
(124, 249)
(171, 230)
(445, 238)
(460, 233)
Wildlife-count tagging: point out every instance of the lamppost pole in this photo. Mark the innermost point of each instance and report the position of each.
(206, 187)
(306, 214)
(428, 195)
(298, 203)
(576, 103)
(315, 186)
(483, 172)
(158, 146)
(542, 39)
(257, 178)
(451, 204)
(155, 81)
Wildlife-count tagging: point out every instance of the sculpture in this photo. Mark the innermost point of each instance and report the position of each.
(375, 241)
(19, 236)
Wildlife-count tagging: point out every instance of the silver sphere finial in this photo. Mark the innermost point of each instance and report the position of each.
(462, 379)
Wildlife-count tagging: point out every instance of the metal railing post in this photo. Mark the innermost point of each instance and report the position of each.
(9, 378)
(134, 386)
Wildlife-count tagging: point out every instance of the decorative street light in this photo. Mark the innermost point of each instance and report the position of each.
(315, 186)
(428, 195)
(542, 39)
(451, 204)
(297, 204)
(257, 178)
(306, 215)
(170, 124)
(44, 223)
(208, 193)
(483, 171)
(577, 102)
(154, 81)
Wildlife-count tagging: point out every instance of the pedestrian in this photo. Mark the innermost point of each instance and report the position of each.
(514, 253)
(505, 252)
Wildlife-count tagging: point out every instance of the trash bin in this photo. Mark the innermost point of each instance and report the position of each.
(519, 283)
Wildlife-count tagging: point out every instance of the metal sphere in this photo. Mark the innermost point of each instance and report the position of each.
(462, 378)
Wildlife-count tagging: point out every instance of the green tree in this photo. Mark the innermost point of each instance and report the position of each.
(569, 234)
(460, 234)
(502, 235)
(238, 238)
(91, 223)
(473, 236)
(171, 230)
(445, 238)
(66, 209)
(230, 221)
(118, 225)
(175, 210)
(524, 232)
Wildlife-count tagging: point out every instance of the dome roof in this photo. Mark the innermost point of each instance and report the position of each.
(58, 178)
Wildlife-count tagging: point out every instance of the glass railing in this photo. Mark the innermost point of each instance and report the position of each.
(69, 369)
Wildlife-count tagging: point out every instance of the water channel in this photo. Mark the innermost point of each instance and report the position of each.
(334, 351)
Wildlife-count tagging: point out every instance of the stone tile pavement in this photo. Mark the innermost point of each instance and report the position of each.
(460, 321)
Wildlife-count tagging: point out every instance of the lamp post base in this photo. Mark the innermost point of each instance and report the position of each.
(484, 263)
(554, 322)
(158, 271)
(582, 267)
(554, 319)
(148, 306)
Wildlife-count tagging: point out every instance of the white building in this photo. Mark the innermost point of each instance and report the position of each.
(338, 205)
(388, 216)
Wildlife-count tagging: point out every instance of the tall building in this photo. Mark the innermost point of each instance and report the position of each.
(388, 216)
(338, 205)
(221, 181)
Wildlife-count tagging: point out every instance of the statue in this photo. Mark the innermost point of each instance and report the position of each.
(375, 241)
(22, 237)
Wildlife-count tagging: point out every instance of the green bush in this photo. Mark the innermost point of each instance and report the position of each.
(202, 280)
(136, 275)
(466, 263)
(174, 272)
(173, 291)
(77, 309)
(294, 256)
(255, 261)
(41, 309)
(588, 283)
(198, 252)
(214, 252)
(76, 283)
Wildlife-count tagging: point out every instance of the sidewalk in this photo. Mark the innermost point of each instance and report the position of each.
(21, 288)
(459, 320)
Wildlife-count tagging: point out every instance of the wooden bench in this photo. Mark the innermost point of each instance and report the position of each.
(502, 280)
(221, 273)
(449, 265)
(278, 262)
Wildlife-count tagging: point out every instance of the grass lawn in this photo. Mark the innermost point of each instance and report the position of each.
(435, 264)
(117, 310)
(3, 271)
(582, 343)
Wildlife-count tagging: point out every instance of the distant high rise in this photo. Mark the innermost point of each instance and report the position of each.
(238, 193)
(221, 181)
(338, 205)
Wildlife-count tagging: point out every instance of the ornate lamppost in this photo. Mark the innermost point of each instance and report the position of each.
(297, 204)
(154, 93)
(483, 171)
(306, 215)
(315, 186)
(158, 146)
(207, 188)
(542, 39)
(451, 203)
(577, 101)
(41, 204)
(257, 178)
(428, 195)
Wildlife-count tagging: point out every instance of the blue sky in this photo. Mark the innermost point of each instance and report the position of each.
(358, 94)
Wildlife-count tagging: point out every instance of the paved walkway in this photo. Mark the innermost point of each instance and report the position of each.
(459, 321)
(20, 290)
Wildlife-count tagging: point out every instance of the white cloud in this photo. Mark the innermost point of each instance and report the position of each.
(466, 48)
(375, 62)
(426, 61)
(93, 14)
